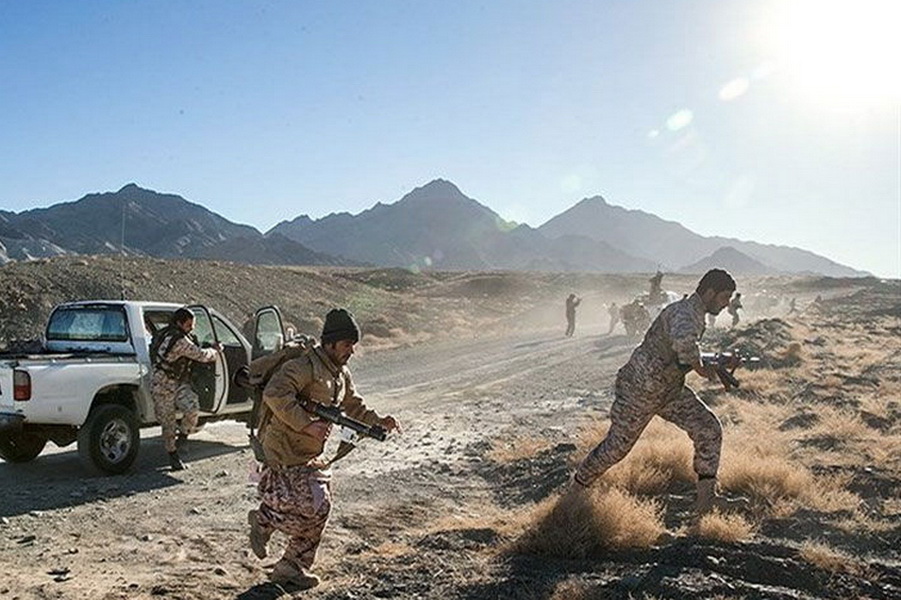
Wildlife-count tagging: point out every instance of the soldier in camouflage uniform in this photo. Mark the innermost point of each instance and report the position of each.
(734, 306)
(613, 310)
(294, 488)
(172, 352)
(572, 301)
(652, 383)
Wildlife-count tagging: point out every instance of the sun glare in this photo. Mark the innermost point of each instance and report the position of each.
(840, 52)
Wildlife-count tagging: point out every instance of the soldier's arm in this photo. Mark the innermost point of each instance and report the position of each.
(685, 335)
(188, 349)
(354, 407)
(280, 394)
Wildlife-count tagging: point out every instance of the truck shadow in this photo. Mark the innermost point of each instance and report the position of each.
(60, 480)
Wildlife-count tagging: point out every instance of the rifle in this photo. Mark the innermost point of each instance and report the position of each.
(725, 364)
(335, 415)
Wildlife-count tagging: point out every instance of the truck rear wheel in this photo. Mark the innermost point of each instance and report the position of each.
(109, 439)
(21, 446)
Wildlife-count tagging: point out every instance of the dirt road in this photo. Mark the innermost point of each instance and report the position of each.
(156, 534)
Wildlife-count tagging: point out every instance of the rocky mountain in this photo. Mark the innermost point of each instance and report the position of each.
(672, 245)
(436, 225)
(139, 221)
(269, 250)
(433, 226)
(733, 261)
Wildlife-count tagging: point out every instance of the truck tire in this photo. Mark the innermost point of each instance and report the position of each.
(108, 441)
(21, 446)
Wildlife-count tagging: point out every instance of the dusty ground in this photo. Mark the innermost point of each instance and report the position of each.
(494, 418)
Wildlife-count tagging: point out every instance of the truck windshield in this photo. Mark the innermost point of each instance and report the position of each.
(88, 324)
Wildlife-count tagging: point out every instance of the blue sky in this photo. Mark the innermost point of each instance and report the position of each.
(778, 122)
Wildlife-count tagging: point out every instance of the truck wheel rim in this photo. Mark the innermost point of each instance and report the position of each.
(115, 441)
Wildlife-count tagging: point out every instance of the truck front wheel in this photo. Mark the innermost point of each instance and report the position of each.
(109, 439)
(21, 446)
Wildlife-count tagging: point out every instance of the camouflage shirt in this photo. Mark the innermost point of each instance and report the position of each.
(659, 364)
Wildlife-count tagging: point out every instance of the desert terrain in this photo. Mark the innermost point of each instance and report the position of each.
(497, 408)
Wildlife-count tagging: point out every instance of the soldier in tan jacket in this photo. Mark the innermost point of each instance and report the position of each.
(294, 489)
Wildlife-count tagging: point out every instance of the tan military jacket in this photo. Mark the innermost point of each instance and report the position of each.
(312, 376)
(658, 365)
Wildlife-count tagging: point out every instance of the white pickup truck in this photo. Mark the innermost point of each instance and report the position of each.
(90, 382)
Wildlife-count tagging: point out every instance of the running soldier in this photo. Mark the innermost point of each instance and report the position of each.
(172, 352)
(613, 310)
(295, 490)
(571, 303)
(652, 383)
(734, 307)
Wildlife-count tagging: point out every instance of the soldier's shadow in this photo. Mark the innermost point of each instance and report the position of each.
(267, 591)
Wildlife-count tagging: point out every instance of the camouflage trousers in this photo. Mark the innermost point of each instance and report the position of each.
(296, 501)
(632, 410)
(169, 397)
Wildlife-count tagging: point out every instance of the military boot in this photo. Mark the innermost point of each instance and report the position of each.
(175, 462)
(259, 536)
(707, 499)
(288, 573)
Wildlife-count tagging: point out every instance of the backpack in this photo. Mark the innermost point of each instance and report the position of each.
(179, 368)
(257, 374)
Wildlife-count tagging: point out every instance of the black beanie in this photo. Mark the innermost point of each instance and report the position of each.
(340, 325)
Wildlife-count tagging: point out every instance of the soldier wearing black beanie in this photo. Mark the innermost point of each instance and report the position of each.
(340, 325)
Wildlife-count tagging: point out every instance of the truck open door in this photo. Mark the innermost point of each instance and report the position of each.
(268, 333)
(209, 380)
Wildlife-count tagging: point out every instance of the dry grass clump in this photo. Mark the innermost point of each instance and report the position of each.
(661, 456)
(765, 475)
(829, 559)
(574, 590)
(724, 527)
(587, 523)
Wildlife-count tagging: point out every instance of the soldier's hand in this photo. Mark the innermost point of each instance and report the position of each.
(732, 361)
(389, 423)
(319, 429)
(708, 372)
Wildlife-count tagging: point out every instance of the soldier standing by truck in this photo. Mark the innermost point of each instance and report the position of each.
(172, 353)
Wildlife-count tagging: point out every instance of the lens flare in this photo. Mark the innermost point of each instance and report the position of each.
(680, 120)
(734, 89)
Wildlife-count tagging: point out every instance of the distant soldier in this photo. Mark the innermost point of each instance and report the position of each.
(636, 318)
(652, 383)
(793, 306)
(572, 301)
(295, 489)
(655, 294)
(734, 307)
(613, 311)
(172, 353)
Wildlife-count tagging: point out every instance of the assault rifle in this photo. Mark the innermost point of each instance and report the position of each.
(335, 415)
(725, 364)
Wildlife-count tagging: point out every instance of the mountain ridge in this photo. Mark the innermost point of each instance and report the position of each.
(434, 226)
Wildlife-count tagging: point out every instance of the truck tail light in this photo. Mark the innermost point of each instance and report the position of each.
(21, 385)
